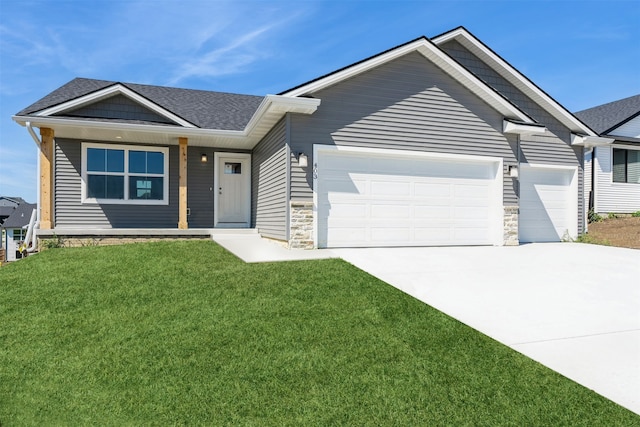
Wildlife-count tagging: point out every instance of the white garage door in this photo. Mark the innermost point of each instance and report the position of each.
(386, 198)
(548, 204)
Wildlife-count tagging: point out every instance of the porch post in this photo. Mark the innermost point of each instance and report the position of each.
(182, 204)
(46, 176)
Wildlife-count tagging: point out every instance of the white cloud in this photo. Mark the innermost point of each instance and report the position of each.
(227, 59)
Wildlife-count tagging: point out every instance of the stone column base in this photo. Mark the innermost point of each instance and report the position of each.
(511, 226)
(301, 225)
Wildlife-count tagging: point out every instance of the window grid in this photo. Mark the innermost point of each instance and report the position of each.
(128, 177)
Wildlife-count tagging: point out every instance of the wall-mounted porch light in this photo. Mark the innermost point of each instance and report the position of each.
(513, 171)
(303, 162)
(203, 158)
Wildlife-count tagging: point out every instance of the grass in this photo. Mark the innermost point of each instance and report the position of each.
(185, 333)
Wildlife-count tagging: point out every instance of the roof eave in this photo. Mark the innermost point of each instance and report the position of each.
(270, 111)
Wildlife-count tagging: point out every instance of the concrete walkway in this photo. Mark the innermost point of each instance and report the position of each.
(575, 308)
(250, 247)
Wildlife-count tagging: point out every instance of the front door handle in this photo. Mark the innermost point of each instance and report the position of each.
(220, 190)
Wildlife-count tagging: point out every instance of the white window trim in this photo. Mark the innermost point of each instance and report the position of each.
(126, 201)
(617, 183)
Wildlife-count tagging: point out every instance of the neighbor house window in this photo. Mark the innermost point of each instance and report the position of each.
(626, 165)
(125, 174)
(19, 234)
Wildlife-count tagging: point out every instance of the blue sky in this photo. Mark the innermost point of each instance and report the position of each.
(582, 52)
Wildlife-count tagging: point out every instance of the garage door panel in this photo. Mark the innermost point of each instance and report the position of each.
(548, 207)
(406, 200)
(431, 189)
(390, 211)
(431, 212)
(390, 188)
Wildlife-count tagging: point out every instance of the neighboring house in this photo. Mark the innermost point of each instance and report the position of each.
(434, 142)
(15, 230)
(8, 205)
(612, 180)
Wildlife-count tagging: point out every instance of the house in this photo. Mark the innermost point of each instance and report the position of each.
(612, 171)
(8, 205)
(434, 142)
(14, 230)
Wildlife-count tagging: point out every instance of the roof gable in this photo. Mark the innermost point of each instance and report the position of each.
(434, 54)
(607, 117)
(11, 201)
(185, 107)
(515, 77)
(116, 107)
(108, 92)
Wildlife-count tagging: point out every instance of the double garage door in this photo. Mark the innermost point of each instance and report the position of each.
(389, 198)
(370, 198)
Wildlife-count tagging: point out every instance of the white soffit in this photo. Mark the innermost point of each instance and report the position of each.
(436, 56)
(589, 141)
(522, 128)
(116, 89)
(514, 77)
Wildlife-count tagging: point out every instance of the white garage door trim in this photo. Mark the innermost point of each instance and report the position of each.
(495, 204)
(570, 219)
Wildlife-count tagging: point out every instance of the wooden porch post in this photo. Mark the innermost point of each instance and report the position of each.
(182, 204)
(46, 178)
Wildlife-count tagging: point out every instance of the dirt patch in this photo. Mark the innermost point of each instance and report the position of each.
(622, 232)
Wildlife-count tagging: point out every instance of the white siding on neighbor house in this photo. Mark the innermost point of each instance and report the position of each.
(617, 197)
(630, 128)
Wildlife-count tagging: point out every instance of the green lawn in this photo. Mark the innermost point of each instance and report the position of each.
(185, 333)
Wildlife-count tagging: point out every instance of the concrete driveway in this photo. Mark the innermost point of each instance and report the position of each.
(575, 308)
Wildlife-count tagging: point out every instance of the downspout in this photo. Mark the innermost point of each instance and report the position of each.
(31, 232)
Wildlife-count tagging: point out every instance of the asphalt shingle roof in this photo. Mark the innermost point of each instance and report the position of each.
(204, 109)
(20, 216)
(605, 117)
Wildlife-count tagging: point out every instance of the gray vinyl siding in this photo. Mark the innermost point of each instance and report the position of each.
(269, 184)
(118, 107)
(200, 187)
(71, 213)
(554, 147)
(406, 104)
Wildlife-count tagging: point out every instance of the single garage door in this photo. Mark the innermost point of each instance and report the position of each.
(548, 203)
(386, 198)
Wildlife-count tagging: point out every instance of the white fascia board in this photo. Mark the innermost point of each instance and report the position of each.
(89, 124)
(521, 128)
(108, 92)
(435, 55)
(516, 78)
(589, 141)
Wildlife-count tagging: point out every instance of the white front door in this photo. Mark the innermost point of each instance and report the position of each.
(232, 190)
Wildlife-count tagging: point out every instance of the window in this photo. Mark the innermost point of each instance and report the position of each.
(124, 174)
(626, 165)
(19, 234)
